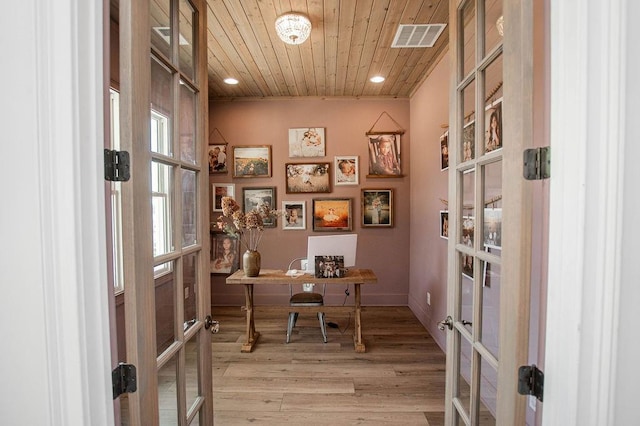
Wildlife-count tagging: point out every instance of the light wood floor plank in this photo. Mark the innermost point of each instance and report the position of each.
(242, 418)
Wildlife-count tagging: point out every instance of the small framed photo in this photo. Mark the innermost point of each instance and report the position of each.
(295, 215)
(492, 228)
(468, 141)
(346, 170)
(468, 231)
(218, 158)
(329, 266)
(493, 126)
(377, 208)
(332, 214)
(444, 151)
(225, 253)
(384, 155)
(444, 224)
(219, 190)
(254, 198)
(306, 142)
(307, 177)
(252, 161)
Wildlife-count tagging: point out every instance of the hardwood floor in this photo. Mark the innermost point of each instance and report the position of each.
(400, 379)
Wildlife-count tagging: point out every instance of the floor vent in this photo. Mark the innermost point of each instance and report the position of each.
(424, 35)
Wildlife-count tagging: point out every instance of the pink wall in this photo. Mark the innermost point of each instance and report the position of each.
(429, 112)
(346, 121)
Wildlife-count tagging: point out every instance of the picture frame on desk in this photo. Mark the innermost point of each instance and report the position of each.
(225, 254)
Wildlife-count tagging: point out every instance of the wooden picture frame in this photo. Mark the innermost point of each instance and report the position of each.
(225, 254)
(377, 208)
(492, 228)
(384, 155)
(308, 177)
(493, 126)
(306, 142)
(219, 190)
(251, 161)
(468, 231)
(295, 218)
(444, 224)
(444, 151)
(217, 155)
(252, 198)
(468, 141)
(332, 214)
(346, 171)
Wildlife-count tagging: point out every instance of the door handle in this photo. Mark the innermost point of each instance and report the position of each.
(210, 323)
(447, 322)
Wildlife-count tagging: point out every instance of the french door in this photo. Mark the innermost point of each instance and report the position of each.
(489, 241)
(163, 216)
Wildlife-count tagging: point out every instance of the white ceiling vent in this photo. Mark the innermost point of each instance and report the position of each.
(165, 33)
(424, 35)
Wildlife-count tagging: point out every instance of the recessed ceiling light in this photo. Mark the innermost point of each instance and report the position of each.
(376, 79)
(230, 80)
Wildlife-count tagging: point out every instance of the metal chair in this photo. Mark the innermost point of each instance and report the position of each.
(307, 297)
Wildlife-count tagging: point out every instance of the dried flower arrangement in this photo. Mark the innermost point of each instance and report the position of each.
(247, 227)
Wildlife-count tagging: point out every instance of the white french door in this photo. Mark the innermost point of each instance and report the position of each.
(489, 212)
(164, 221)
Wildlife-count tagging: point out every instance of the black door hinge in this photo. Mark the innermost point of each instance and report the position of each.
(116, 165)
(531, 381)
(537, 163)
(123, 379)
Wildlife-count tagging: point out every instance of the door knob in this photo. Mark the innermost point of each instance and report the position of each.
(210, 323)
(447, 322)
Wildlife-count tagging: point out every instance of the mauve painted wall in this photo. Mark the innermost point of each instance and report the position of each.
(346, 122)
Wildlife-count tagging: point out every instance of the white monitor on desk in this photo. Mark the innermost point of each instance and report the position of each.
(332, 245)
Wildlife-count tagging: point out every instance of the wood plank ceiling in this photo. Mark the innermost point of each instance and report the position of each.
(350, 42)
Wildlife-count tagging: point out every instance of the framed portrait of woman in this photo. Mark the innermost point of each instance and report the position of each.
(384, 155)
(377, 208)
(493, 126)
(225, 256)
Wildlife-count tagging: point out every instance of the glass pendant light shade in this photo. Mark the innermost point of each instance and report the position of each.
(293, 28)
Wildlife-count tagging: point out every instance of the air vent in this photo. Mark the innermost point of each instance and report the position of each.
(424, 35)
(165, 33)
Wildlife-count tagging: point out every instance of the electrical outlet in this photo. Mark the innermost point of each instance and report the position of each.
(532, 402)
(428, 298)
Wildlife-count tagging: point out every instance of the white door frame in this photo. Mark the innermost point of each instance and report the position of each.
(593, 291)
(54, 316)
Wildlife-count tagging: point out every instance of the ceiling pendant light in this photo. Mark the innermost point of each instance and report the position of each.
(293, 28)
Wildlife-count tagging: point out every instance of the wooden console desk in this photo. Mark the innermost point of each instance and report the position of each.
(272, 276)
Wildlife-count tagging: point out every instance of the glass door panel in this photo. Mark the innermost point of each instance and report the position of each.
(493, 24)
(162, 204)
(491, 308)
(165, 285)
(191, 374)
(161, 36)
(463, 382)
(492, 215)
(467, 16)
(161, 109)
(467, 292)
(189, 208)
(168, 393)
(187, 29)
(488, 394)
(493, 106)
(189, 282)
(188, 151)
(467, 148)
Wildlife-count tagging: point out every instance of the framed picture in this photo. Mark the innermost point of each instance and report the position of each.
(307, 177)
(468, 141)
(444, 151)
(219, 190)
(493, 126)
(444, 224)
(468, 230)
(377, 208)
(225, 253)
(384, 155)
(295, 217)
(252, 161)
(218, 158)
(346, 170)
(254, 198)
(306, 142)
(329, 266)
(332, 214)
(492, 228)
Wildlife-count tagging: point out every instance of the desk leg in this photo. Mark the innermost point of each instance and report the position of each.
(252, 334)
(357, 334)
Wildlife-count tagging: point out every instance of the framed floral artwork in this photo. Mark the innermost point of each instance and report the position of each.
(219, 190)
(307, 177)
(346, 170)
(306, 142)
(384, 155)
(332, 214)
(252, 161)
(295, 215)
(377, 208)
(255, 198)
